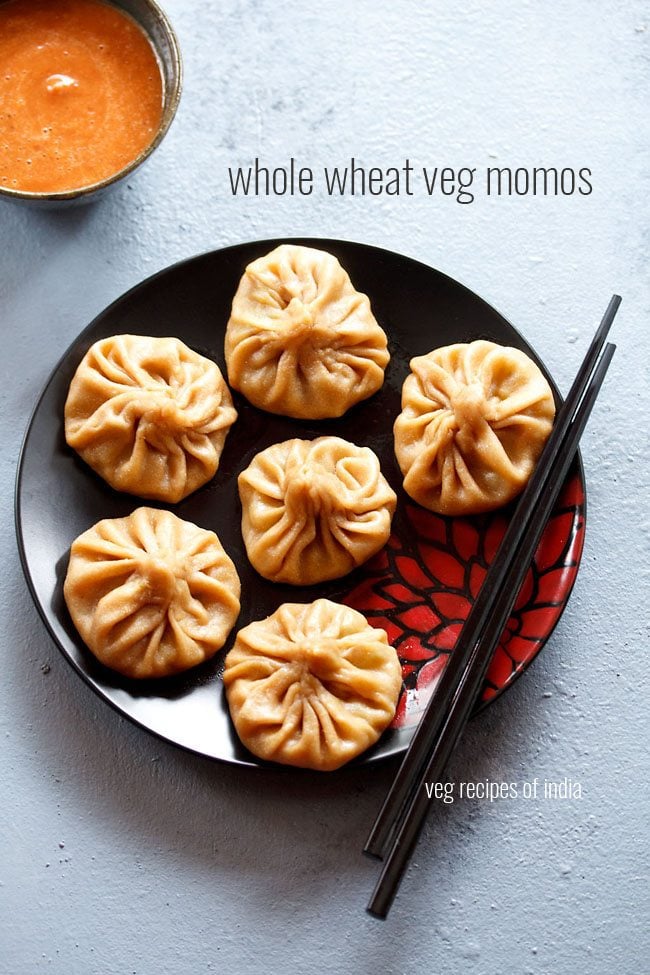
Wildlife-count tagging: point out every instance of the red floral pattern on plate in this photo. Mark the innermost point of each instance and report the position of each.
(421, 587)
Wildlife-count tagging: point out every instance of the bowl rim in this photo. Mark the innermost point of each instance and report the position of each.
(171, 99)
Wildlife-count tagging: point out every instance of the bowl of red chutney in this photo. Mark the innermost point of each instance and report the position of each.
(88, 90)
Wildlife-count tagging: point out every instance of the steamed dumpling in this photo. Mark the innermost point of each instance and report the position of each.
(151, 595)
(149, 415)
(314, 509)
(475, 418)
(313, 685)
(301, 341)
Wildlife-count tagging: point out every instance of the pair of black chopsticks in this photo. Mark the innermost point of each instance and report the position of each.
(402, 815)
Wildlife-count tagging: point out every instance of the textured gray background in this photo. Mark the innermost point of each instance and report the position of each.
(123, 855)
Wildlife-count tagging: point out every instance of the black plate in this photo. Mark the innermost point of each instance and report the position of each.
(58, 496)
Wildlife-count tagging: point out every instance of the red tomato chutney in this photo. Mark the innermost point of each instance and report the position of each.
(81, 93)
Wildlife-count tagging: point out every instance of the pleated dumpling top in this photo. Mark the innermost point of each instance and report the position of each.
(149, 415)
(313, 510)
(301, 341)
(475, 418)
(151, 594)
(313, 685)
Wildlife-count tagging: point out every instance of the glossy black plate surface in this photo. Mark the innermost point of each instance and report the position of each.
(58, 496)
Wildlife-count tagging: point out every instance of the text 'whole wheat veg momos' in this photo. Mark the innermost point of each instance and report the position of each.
(149, 415)
(313, 510)
(313, 685)
(301, 341)
(475, 418)
(151, 595)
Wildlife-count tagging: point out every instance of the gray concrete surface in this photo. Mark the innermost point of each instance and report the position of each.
(122, 855)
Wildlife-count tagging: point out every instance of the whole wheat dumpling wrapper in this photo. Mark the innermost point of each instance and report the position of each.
(151, 595)
(313, 510)
(314, 685)
(475, 418)
(301, 341)
(149, 415)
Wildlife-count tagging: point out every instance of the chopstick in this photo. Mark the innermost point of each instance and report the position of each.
(472, 679)
(432, 719)
(453, 700)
